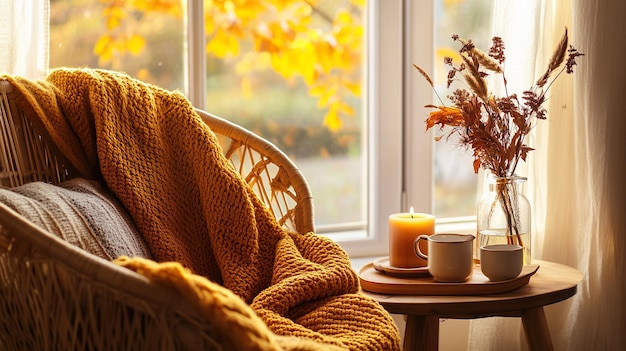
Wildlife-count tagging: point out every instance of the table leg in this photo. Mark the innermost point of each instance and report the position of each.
(536, 329)
(421, 333)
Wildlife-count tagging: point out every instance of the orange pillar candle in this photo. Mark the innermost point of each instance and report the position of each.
(404, 228)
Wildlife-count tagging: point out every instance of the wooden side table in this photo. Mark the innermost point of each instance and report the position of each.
(552, 283)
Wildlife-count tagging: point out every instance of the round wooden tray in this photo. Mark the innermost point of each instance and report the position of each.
(379, 282)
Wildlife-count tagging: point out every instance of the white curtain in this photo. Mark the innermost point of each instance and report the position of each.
(24, 37)
(576, 173)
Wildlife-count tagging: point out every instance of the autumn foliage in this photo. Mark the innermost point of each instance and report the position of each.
(319, 42)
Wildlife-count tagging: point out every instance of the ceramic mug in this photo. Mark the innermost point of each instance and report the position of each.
(450, 256)
(501, 262)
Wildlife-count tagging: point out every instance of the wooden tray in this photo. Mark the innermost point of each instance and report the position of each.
(379, 282)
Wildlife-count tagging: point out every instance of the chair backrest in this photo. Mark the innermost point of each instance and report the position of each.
(271, 173)
(24, 158)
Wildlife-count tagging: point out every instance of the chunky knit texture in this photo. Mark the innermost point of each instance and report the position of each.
(165, 165)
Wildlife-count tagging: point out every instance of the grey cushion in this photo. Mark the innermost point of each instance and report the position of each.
(81, 212)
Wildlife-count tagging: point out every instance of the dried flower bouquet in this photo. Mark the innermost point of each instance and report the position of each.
(495, 127)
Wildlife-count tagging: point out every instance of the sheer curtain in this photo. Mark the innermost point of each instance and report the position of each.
(576, 183)
(24, 37)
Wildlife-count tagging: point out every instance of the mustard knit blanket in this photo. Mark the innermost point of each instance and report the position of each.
(165, 165)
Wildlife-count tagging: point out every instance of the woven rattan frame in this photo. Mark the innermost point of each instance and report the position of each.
(24, 157)
(271, 173)
(56, 296)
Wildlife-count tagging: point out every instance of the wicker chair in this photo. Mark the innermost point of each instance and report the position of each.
(39, 312)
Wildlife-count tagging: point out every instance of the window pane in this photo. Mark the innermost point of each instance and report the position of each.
(290, 71)
(455, 181)
(145, 43)
(293, 75)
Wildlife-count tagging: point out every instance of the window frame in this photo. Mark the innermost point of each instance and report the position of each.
(385, 117)
(418, 168)
(395, 138)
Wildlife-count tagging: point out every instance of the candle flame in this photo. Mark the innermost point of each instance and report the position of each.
(411, 211)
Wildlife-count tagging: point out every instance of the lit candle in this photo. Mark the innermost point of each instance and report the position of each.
(404, 228)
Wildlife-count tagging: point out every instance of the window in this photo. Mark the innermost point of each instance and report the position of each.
(355, 171)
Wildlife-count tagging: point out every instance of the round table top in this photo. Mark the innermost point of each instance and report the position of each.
(551, 283)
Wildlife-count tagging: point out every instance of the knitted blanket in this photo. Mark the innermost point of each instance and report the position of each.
(165, 165)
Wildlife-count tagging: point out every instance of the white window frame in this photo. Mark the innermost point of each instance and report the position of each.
(400, 153)
(419, 178)
(386, 118)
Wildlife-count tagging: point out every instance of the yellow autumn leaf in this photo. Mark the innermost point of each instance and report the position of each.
(282, 35)
(324, 53)
(332, 120)
(343, 59)
(344, 108)
(223, 45)
(246, 11)
(135, 44)
(235, 28)
(104, 48)
(285, 67)
(323, 100)
(298, 61)
(285, 36)
(349, 35)
(354, 88)
(327, 94)
(102, 44)
(300, 14)
(268, 37)
(114, 15)
(307, 68)
(228, 6)
(170, 7)
(343, 17)
(317, 90)
(209, 24)
(280, 4)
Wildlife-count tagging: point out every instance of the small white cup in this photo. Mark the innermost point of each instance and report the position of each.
(501, 262)
(450, 256)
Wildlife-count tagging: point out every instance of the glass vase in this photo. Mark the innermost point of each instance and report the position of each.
(504, 215)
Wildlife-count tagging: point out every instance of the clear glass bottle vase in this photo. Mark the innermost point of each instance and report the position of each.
(504, 215)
